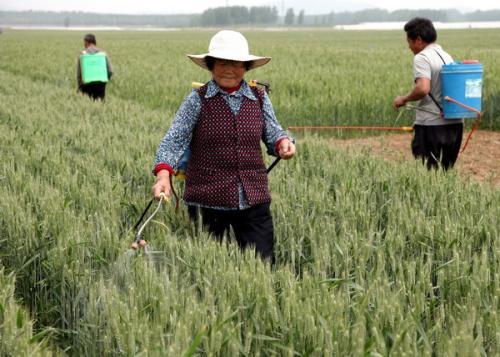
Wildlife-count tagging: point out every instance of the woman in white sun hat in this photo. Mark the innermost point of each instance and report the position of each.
(222, 123)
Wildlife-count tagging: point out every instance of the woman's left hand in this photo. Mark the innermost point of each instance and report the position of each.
(286, 149)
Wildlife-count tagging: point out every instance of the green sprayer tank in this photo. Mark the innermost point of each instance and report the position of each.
(94, 67)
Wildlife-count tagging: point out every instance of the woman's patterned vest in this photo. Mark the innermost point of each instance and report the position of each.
(225, 151)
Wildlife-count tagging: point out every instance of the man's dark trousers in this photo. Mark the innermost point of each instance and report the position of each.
(437, 144)
(95, 90)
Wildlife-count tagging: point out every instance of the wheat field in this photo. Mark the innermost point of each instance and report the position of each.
(373, 257)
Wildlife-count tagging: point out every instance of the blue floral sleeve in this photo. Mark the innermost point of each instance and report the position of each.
(177, 139)
(272, 129)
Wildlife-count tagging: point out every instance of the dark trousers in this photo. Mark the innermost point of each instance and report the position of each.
(252, 226)
(96, 90)
(437, 144)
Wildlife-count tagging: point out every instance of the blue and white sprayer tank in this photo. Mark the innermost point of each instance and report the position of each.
(463, 82)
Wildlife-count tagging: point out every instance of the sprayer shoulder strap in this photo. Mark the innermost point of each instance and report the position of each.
(259, 93)
(430, 94)
(440, 56)
(436, 102)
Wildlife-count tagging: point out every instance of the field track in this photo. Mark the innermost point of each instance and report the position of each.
(480, 161)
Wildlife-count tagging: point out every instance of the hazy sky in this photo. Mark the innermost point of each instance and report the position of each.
(197, 6)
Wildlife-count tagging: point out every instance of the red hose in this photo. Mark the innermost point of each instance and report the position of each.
(475, 124)
(352, 127)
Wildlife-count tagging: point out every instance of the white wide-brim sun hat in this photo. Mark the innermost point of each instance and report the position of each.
(229, 45)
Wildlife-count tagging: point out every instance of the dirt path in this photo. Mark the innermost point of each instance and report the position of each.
(481, 159)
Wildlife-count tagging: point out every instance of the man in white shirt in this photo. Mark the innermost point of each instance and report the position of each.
(437, 140)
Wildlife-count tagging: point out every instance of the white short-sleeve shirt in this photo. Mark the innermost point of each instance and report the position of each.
(427, 64)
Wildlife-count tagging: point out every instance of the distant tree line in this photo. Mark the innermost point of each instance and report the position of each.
(81, 19)
(239, 15)
(235, 16)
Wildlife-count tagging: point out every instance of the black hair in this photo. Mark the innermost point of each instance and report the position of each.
(421, 27)
(210, 61)
(90, 38)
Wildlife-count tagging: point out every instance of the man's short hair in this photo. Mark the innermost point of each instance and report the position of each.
(421, 27)
(89, 38)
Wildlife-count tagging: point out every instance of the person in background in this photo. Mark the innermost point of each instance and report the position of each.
(93, 69)
(436, 140)
(223, 123)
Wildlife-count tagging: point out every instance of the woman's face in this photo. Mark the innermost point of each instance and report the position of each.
(228, 74)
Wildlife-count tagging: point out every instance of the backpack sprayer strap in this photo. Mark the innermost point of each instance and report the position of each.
(441, 112)
(430, 94)
(437, 104)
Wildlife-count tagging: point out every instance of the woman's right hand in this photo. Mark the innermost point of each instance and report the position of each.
(162, 184)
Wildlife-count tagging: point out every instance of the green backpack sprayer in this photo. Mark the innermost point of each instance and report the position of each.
(94, 67)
